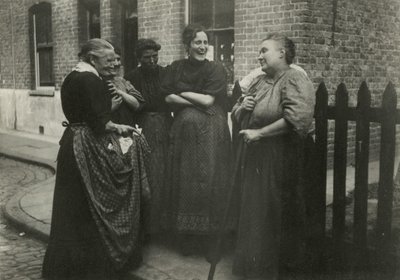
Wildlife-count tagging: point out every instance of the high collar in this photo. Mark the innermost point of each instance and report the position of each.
(194, 61)
(149, 70)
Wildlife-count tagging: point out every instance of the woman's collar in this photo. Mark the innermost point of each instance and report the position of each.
(85, 67)
(195, 61)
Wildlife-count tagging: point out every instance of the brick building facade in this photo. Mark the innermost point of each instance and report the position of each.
(337, 41)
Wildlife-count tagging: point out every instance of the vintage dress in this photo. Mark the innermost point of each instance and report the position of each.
(272, 213)
(124, 114)
(96, 208)
(155, 119)
(200, 149)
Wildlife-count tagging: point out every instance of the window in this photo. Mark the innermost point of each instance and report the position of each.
(93, 15)
(217, 16)
(41, 45)
(129, 33)
(89, 19)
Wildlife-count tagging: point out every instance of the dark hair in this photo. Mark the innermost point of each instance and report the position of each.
(94, 47)
(189, 33)
(146, 44)
(287, 44)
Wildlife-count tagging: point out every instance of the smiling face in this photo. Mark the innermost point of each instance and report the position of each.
(149, 59)
(199, 46)
(105, 63)
(117, 65)
(272, 56)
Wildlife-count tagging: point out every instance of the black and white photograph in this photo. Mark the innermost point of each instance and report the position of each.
(199, 140)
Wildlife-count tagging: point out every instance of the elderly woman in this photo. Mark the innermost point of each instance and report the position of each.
(274, 117)
(200, 143)
(125, 99)
(96, 208)
(155, 119)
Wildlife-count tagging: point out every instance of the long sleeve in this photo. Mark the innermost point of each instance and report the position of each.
(168, 82)
(215, 83)
(298, 101)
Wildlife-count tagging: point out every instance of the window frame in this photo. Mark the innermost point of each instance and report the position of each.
(35, 48)
(214, 32)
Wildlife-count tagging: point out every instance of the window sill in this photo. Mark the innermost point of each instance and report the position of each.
(42, 92)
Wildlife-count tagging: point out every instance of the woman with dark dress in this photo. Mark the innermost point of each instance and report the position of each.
(275, 118)
(155, 119)
(200, 143)
(97, 197)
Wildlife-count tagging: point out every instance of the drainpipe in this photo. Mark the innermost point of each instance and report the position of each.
(186, 15)
(13, 62)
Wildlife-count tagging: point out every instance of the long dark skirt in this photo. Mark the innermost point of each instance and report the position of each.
(200, 157)
(272, 218)
(156, 126)
(75, 249)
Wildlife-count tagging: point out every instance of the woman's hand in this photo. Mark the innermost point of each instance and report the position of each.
(120, 96)
(121, 129)
(124, 130)
(114, 90)
(249, 103)
(116, 101)
(250, 135)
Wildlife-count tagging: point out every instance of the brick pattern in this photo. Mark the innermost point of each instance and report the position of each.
(20, 43)
(66, 37)
(163, 21)
(6, 54)
(354, 41)
(363, 47)
(254, 19)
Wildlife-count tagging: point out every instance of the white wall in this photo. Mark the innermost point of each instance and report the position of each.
(27, 112)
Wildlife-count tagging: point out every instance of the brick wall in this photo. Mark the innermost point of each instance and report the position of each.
(21, 44)
(255, 18)
(353, 42)
(111, 22)
(66, 37)
(19, 109)
(163, 21)
(337, 41)
(6, 53)
(350, 42)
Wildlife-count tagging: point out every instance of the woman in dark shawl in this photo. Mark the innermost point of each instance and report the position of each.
(200, 143)
(275, 118)
(155, 119)
(99, 182)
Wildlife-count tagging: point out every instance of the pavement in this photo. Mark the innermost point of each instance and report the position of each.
(30, 210)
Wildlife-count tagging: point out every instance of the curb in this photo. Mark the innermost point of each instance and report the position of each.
(23, 222)
(147, 272)
(12, 209)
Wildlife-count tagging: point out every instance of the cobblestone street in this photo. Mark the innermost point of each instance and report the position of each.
(20, 255)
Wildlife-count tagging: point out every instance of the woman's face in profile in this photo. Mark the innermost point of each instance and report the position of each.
(271, 54)
(199, 46)
(104, 64)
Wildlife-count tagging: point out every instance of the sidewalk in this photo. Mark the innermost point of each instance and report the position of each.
(31, 209)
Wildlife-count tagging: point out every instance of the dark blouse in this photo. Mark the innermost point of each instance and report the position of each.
(85, 99)
(206, 77)
(147, 82)
(124, 114)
